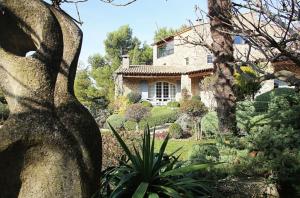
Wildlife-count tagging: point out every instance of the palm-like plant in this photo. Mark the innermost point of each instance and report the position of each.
(148, 174)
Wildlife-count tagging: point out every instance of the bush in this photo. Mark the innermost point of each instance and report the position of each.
(203, 153)
(146, 104)
(119, 105)
(246, 87)
(112, 151)
(196, 98)
(274, 136)
(194, 108)
(136, 112)
(173, 104)
(160, 115)
(117, 121)
(134, 97)
(130, 125)
(262, 101)
(210, 124)
(175, 131)
(4, 112)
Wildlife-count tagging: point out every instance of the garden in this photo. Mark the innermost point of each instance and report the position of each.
(262, 160)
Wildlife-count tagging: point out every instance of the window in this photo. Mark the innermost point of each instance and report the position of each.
(210, 58)
(162, 91)
(239, 40)
(187, 61)
(165, 49)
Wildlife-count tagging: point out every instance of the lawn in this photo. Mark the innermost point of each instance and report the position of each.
(186, 145)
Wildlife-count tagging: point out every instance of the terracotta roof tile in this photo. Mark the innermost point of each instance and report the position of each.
(160, 70)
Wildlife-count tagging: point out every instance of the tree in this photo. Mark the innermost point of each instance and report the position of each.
(81, 86)
(50, 144)
(120, 42)
(97, 61)
(279, 39)
(102, 67)
(222, 46)
(139, 56)
(163, 33)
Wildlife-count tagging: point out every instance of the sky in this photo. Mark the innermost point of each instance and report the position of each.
(143, 16)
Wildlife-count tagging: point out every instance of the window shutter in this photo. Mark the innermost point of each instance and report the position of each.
(178, 86)
(144, 89)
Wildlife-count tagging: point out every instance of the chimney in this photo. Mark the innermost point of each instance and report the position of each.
(198, 22)
(125, 61)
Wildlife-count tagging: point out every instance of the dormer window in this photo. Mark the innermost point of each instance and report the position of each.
(165, 49)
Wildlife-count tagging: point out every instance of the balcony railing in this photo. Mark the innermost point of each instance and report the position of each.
(160, 101)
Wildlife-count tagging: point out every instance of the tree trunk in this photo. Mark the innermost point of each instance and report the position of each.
(50, 145)
(220, 21)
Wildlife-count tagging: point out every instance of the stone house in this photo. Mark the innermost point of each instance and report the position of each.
(178, 66)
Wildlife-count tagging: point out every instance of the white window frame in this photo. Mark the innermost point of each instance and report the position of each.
(162, 100)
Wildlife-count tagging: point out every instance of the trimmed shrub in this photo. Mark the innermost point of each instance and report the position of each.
(196, 98)
(130, 125)
(134, 97)
(194, 108)
(204, 153)
(173, 104)
(117, 121)
(175, 131)
(262, 101)
(136, 112)
(146, 104)
(159, 116)
(210, 124)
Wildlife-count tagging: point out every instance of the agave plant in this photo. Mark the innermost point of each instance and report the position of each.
(145, 173)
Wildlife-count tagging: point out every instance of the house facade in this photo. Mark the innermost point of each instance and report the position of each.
(178, 67)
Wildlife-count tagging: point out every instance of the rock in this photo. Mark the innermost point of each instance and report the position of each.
(246, 187)
(101, 116)
(186, 122)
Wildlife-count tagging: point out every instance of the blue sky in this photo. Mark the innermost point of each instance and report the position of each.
(143, 16)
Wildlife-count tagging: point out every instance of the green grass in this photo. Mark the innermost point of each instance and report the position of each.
(175, 144)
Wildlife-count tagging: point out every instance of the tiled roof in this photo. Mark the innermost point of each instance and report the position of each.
(160, 70)
(286, 64)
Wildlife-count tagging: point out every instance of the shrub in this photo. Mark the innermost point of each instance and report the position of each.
(136, 112)
(146, 103)
(4, 112)
(196, 98)
(116, 120)
(246, 87)
(159, 116)
(203, 153)
(274, 137)
(150, 174)
(262, 101)
(210, 124)
(194, 108)
(173, 104)
(130, 125)
(175, 131)
(185, 95)
(119, 105)
(112, 152)
(134, 97)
